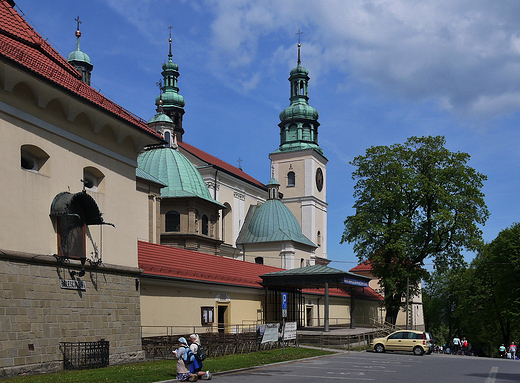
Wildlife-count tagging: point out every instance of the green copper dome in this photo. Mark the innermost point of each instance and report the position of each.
(299, 70)
(170, 96)
(272, 222)
(172, 168)
(160, 117)
(299, 110)
(79, 56)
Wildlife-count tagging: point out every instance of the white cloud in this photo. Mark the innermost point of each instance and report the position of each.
(457, 52)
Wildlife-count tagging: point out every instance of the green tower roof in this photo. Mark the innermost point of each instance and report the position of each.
(173, 169)
(299, 121)
(271, 222)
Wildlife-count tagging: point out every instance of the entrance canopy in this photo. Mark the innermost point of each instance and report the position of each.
(317, 276)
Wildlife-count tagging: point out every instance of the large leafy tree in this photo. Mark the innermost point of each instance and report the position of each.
(414, 201)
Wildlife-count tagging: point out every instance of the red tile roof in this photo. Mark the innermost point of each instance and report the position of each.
(21, 45)
(160, 260)
(363, 266)
(171, 262)
(208, 158)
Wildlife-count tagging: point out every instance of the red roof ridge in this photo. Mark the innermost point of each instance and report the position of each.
(206, 157)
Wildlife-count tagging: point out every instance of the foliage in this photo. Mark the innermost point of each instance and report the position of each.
(414, 201)
(147, 372)
(481, 302)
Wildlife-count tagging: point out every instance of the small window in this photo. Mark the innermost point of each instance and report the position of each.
(32, 158)
(167, 138)
(291, 179)
(302, 262)
(205, 226)
(318, 238)
(173, 221)
(259, 260)
(92, 179)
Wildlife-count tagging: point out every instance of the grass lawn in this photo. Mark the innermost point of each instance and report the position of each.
(147, 372)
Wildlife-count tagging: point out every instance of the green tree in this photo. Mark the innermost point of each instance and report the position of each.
(413, 201)
(489, 292)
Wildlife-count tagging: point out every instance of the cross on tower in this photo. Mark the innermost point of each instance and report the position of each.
(299, 45)
(299, 35)
(240, 163)
(79, 22)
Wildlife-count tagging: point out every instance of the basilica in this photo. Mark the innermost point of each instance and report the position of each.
(116, 228)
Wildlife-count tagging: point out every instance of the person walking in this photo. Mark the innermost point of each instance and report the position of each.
(502, 350)
(512, 350)
(196, 365)
(456, 345)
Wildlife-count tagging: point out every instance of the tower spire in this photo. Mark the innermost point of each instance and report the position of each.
(79, 59)
(170, 41)
(171, 100)
(299, 46)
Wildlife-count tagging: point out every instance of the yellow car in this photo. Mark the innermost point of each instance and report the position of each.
(418, 342)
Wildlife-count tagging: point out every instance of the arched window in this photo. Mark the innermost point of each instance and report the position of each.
(291, 179)
(173, 221)
(259, 260)
(33, 158)
(205, 228)
(92, 178)
(302, 262)
(167, 138)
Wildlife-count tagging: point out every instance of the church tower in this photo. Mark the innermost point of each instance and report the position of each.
(79, 59)
(172, 101)
(299, 163)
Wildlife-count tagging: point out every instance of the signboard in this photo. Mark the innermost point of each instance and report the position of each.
(270, 333)
(72, 284)
(290, 331)
(355, 282)
(284, 305)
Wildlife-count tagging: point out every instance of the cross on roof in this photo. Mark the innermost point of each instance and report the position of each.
(78, 21)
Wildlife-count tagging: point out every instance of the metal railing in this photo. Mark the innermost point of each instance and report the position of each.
(82, 355)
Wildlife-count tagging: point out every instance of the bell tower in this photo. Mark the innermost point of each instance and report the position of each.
(299, 163)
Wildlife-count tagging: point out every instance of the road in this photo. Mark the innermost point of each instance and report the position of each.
(387, 367)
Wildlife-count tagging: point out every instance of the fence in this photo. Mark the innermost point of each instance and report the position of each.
(82, 355)
(236, 339)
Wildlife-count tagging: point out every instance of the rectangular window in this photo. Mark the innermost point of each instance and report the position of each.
(207, 315)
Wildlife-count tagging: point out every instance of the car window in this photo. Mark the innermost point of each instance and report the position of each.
(397, 335)
(418, 336)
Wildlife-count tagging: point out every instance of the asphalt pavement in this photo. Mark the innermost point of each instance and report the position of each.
(387, 367)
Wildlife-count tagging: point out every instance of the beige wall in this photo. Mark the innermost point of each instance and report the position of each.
(72, 146)
(177, 305)
(273, 254)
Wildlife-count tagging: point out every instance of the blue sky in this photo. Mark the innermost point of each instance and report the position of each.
(381, 71)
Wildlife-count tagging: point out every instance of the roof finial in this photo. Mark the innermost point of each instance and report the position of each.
(240, 163)
(299, 46)
(78, 32)
(175, 145)
(170, 40)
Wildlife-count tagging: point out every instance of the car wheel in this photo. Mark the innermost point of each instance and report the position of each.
(417, 350)
(379, 348)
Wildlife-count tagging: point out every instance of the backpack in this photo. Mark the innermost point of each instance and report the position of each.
(188, 356)
(201, 353)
